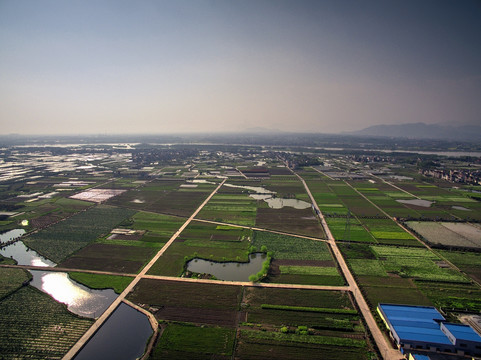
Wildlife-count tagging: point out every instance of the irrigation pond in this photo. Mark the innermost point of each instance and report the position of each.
(231, 271)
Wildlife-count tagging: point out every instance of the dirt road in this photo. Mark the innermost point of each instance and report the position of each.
(384, 347)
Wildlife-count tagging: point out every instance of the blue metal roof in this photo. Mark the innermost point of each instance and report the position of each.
(421, 357)
(463, 332)
(415, 323)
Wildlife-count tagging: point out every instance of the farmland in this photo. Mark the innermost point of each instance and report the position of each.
(46, 330)
(300, 303)
(448, 234)
(62, 239)
(190, 341)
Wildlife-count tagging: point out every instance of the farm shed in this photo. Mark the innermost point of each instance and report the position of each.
(423, 327)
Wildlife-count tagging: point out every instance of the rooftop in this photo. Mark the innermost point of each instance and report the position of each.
(417, 323)
(463, 332)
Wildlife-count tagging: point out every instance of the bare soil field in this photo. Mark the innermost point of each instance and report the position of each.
(118, 258)
(197, 316)
(448, 233)
(295, 221)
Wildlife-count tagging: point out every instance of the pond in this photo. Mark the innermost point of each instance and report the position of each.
(231, 271)
(279, 203)
(123, 336)
(272, 201)
(79, 299)
(417, 202)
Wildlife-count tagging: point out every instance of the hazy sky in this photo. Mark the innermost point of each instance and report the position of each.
(93, 66)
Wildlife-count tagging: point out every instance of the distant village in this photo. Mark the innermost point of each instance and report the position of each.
(456, 176)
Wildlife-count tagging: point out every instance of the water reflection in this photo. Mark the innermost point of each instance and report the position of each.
(79, 299)
(272, 201)
(232, 271)
(10, 235)
(24, 255)
(123, 336)
(279, 203)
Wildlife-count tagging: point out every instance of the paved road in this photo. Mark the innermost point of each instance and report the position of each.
(98, 323)
(383, 345)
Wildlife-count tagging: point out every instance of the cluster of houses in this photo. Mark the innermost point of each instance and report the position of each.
(456, 176)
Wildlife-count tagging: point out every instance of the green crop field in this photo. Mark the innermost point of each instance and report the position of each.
(62, 239)
(35, 326)
(99, 281)
(189, 342)
(11, 280)
(289, 247)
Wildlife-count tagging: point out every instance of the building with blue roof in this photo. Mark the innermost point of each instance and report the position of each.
(423, 327)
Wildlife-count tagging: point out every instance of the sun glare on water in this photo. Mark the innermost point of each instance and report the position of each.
(61, 289)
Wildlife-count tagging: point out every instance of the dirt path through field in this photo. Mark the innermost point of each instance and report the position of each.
(260, 229)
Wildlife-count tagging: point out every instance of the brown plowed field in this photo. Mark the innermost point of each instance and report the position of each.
(288, 219)
(118, 258)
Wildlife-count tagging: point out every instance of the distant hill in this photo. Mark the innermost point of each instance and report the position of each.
(262, 130)
(424, 131)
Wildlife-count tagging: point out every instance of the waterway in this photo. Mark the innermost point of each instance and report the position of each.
(432, 152)
(79, 299)
(231, 271)
(122, 337)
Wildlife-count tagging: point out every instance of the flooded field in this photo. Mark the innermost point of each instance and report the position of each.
(269, 197)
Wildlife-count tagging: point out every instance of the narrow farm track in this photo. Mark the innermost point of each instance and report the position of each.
(62, 269)
(387, 351)
(84, 339)
(248, 284)
(260, 229)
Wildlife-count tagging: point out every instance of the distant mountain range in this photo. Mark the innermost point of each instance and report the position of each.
(423, 131)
